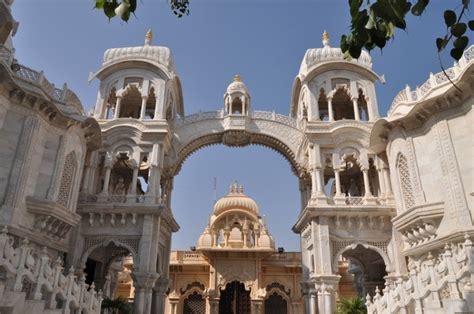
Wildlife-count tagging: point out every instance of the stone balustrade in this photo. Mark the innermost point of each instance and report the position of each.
(438, 284)
(64, 95)
(406, 96)
(211, 115)
(41, 279)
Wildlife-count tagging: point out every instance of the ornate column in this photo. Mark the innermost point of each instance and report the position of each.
(108, 164)
(330, 111)
(245, 232)
(143, 283)
(226, 237)
(317, 192)
(132, 191)
(339, 198)
(159, 295)
(143, 107)
(117, 107)
(356, 109)
(313, 303)
(155, 174)
(369, 199)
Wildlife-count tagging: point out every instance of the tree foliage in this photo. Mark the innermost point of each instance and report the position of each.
(373, 22)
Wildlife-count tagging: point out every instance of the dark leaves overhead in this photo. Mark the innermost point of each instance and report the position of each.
(373, 24)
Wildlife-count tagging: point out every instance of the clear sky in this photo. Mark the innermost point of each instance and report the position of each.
(263, 40)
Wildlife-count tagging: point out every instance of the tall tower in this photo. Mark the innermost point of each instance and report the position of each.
(125, 203)
(347, 198)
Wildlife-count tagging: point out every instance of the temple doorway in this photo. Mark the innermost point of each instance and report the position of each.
(234, 299)
(276, 304)
(362, 270)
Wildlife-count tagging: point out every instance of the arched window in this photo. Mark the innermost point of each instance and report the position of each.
(110, 104)
(323, 106)
(342, 104)
(67, 180)
(275, 304)
(362, 104)
(237, 107)
(131, 102)
(194, 304)
(404, 177)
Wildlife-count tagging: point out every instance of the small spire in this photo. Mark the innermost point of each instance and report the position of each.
(237, 78)
(148, 37)
(326, 39)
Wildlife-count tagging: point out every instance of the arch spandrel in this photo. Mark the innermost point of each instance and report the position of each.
(268, 129)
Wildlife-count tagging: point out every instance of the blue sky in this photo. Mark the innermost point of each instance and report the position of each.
(263, 40)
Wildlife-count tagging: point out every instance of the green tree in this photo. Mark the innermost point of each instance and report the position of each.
(352, 306)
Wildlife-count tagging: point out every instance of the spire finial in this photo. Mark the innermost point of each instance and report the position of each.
(237, 78)
(148, 37)
(325, 38)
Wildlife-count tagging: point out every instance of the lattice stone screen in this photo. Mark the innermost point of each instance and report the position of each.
(405, 182)
(67, 179)
(194, 304)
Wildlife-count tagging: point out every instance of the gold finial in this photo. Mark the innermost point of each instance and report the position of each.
(148, 37)
(325, 38)
(237, 78)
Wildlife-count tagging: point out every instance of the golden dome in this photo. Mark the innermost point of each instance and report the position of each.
(236, 199)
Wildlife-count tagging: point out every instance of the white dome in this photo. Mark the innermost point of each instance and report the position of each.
(237, 86)
(236, 199)
(327, 53)
(154, 54)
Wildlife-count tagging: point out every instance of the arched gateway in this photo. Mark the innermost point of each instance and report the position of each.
(125, 197)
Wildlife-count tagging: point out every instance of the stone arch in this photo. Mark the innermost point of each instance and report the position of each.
(283, 137)
(381, 252)
(85, 255)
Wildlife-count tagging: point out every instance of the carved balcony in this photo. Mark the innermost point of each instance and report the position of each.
(51, 218)
(419, 225)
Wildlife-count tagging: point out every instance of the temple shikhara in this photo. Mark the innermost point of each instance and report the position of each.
(85, 198)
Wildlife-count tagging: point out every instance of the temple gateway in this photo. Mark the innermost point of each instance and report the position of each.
(85, 199)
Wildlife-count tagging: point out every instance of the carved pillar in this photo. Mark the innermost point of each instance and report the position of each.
(369, 199)
(356, 109)
(105, 188)
(155, 174)
(339, 198)
(318, 196)
(117, 107)
(330, 111)
(313, 304)
(226, 237)
(159, 295)
(365, 173)
(132, 191)
(143, 283)
(143, 107)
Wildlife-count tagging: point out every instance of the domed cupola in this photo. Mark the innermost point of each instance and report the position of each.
(236, 199)
(236, 224)
(330, 88)
(138, 83)
(317, 56)
(237, 98)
